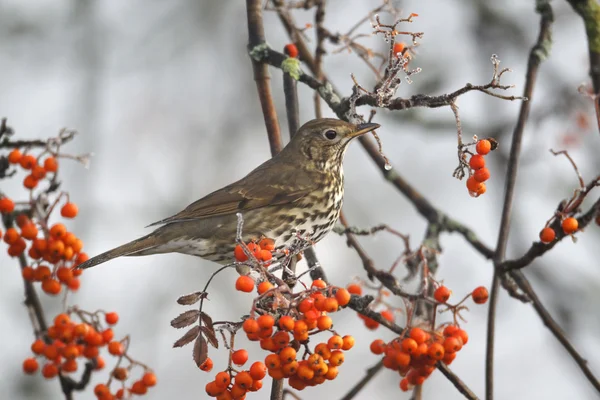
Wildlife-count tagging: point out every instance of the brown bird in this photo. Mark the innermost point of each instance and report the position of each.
(299, 191)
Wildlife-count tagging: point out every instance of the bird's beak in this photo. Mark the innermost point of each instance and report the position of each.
(364, 128)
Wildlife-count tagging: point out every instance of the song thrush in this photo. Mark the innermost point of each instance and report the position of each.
(299, 191)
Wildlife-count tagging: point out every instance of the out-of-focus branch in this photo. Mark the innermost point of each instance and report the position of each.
(256, 37)
(589, 10)
(319, 50)
(537, 54)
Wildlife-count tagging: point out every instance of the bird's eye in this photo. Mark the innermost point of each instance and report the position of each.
(331, 134)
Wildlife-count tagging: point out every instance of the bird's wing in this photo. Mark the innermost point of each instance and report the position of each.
(257, 189)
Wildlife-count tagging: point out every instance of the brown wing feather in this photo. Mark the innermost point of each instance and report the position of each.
(255, 190)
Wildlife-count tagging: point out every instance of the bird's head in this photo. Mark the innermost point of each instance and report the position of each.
(325, 140)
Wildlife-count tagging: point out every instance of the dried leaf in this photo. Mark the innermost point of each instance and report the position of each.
(192, 298)
(207, 320)
(210, 336)
(185, 319)
(188, 337)
(200, 351)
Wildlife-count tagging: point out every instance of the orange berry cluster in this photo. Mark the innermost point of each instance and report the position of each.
(262, 251)
(55, 246)
(478, 173)
(30, 163)
(415, 355)
(569, 225)
(283, 332)
(68, 341)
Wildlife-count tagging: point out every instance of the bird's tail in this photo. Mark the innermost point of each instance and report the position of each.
(141, 246)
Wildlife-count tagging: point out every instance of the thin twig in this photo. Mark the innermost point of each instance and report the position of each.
(371, 372)
(456, 381)
(536, 55)
(256, 37)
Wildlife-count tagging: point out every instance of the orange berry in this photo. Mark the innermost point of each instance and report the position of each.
(291, 50)
(324, 322)
(319, 283)
(28, 274)
(100, 363)
(389, 315)
(42, 273)
(149, 379)
(120, 373)
(38, 346)
(213, 390)
(258, 370)
(452, 344)
(116, 348)
(348, 342)
(264, 255)
(450, 330)
(38, 172)
(74, 284)
(547, 235)
(27, 161)
(319, 301)
(436, 351)
(50, 370)
(265, 322)
(51, 286)
(331, 305)
(477, 161)
(238, 392)
(481, 190)
(56, 247)
(287, 355)
(402, 359)
(264, 287)
(250, 326)
(570, 225)
(29, 231)
(244, 284)
(442, 294)
(62, 320)
(256, 386)
(70, 351)
(409, 345)
(6, 205)
(337, 358)
(332, 373)
(306, 305)
(14, 157)
(267, 244)
(58, 230)
(207, 365)
(377, 346)
(399, 48)
(69, 210)
(482, 175)
(473, 185)
(272, 361)
(281, 339)
(342, 296)
(480, 295)
(50, 164)
(354, 288)
(286, 323)
(243, 380)
(448, 358)
(111, 318)
(335, 342)
(69, 365)
(305, 372)
(107, 335)
(239, 357)
(30, 365)
(11, 236)
(483, 147)
(30, 182)
(138, 388)
(300, 327)
(223, 379)
(419, 335)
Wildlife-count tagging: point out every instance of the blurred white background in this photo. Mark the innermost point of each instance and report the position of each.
(162, 94)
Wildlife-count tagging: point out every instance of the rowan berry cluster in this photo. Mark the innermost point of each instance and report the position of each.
(415, 353)
(69, 342)
(48, 254)
(282, 321)
(478, 173)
